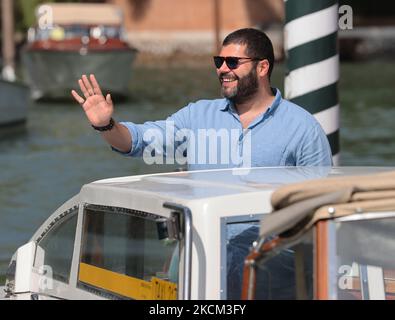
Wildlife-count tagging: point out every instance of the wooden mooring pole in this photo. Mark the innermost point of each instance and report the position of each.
(8, 47)
(217, 25)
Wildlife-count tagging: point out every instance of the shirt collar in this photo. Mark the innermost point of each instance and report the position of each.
(277, 101)
(229, 105)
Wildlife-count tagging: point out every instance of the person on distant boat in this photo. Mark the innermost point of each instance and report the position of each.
(251, 126)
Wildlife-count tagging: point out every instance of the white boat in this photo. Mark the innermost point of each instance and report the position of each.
(181, 235)
(14, 96)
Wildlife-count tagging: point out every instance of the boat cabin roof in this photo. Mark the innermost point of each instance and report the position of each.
(199, 185)
(81, 13)
(210, 195)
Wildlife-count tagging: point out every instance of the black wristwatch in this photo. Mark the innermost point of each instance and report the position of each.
(105, 128)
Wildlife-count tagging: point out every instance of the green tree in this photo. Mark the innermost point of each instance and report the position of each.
(25, 16)
(25, 11)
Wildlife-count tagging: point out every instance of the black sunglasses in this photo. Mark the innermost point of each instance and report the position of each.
(232, 62)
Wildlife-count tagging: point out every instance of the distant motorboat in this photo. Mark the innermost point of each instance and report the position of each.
(81, 39)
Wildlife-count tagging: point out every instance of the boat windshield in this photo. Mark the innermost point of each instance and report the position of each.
(364, 267)
(58, 245)
(287, 274)
(126, 255)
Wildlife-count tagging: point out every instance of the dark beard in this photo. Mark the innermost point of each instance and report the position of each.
(247, 87)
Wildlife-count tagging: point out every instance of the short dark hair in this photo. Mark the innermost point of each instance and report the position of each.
(258, 44)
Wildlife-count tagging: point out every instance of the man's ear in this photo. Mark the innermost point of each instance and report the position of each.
(263, 67)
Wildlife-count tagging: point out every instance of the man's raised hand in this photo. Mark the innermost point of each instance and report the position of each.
(98, 109)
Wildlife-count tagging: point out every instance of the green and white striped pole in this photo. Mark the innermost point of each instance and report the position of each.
(310, 43)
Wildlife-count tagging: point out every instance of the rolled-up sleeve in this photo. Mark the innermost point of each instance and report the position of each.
(314, 149)
(136, 139)
(155, 132)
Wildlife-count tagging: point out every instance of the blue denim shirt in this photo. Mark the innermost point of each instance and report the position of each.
(211, 133)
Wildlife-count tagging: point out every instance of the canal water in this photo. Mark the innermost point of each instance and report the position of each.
(48, 162)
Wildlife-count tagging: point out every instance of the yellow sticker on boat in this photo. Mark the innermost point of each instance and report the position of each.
(127, 286)
(163, 290)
